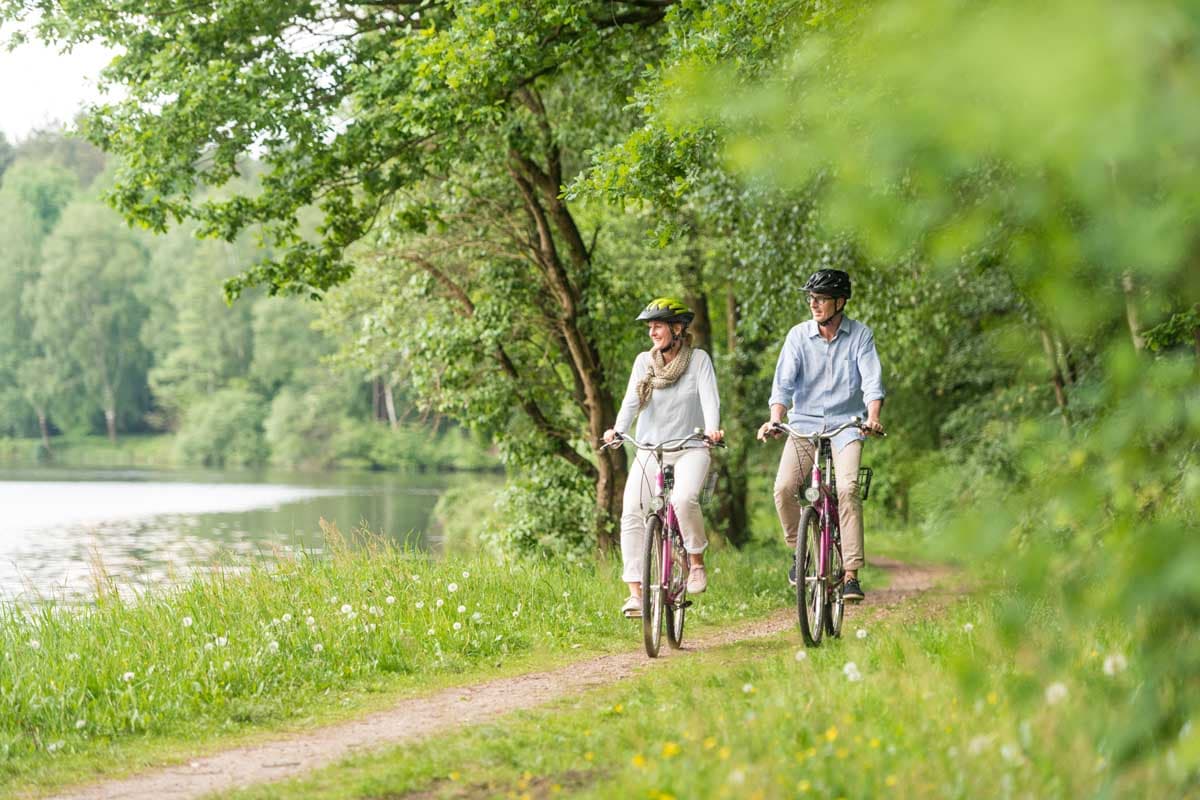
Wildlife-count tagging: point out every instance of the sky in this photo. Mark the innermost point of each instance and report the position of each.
(39, 86)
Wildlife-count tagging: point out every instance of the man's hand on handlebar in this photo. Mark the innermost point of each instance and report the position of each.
(769, 430)
(873, 426)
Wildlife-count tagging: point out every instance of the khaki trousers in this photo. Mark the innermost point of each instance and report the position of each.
(795, 474)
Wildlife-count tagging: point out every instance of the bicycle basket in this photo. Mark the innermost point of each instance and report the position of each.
(864, 481)
(710, 486)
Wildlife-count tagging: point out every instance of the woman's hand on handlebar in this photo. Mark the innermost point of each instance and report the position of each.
(610, 435)
(716, 437)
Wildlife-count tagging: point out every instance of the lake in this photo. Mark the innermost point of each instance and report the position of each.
(60, 528)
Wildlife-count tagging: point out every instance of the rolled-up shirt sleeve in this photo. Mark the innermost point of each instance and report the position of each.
(870, 370)
(787, 369)
(629, 405)
(710, 400)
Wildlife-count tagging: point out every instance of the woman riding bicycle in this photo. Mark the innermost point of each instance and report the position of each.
(672, 391)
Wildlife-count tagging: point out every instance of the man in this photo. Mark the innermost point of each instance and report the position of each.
(828, 372)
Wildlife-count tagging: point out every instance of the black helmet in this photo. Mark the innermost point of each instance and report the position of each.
(832, 282)
(666, 309)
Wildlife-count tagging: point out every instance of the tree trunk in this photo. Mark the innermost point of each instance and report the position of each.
(732, 509)
(1131, 313)
(540, 187)
(44, 427)
(110, 422)
(1060, 391)
(389, 404)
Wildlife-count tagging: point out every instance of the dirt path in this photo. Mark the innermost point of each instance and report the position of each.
(458, 707)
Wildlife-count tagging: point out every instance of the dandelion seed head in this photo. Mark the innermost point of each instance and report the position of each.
(466, 574)
(968, 627)
(127, 677)
(390, 600)
(452, 588)
(34, 644)
(420, 604)
(1114, 663)
(318, 647)
(801, 655)
(347, 608)
(287, 617)
(80, 724)
(273, 646)
(1056, 693)
(476, 616)
(462, 609)
(430, 631)
(748, 688)
(861, 633)
(458, 626)
(187, 622)
(440, 602)
(227, 664)
(208, 645)
(309, 621)
(72, 656)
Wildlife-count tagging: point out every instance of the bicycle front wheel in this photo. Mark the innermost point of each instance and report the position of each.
(810, 583)
(653, 591)
(677, 594)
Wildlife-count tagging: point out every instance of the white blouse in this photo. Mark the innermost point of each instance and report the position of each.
(677, 410)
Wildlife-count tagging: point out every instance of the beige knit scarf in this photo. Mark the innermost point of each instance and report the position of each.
(661, 374)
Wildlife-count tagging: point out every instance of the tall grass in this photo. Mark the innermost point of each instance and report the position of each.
(255, 645)
(930, 702)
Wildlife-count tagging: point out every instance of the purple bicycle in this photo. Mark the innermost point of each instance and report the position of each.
(819, 570)
(665, 564)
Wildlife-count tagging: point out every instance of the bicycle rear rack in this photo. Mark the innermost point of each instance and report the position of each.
(864, 481)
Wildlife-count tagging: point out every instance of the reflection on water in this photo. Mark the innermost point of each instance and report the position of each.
(61, 528)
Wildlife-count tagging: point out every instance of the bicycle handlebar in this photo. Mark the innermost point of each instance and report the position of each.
(855, 422)
(668, 446)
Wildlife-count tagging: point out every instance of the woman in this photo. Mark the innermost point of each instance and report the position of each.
(672, 391)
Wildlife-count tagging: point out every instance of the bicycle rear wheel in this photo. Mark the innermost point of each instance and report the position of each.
(678, 592)
(810, 584)
(653, 592)
(836, 607)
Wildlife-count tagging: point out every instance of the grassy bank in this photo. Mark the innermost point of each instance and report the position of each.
(103, 689)
(935, 705)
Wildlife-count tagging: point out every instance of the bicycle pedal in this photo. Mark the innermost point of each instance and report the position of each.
(685, 604)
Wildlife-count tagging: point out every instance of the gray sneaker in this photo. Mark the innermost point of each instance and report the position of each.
(632, 608)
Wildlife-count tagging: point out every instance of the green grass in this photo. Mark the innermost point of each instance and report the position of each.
(943, 707)
(148, 450)
(104, 689)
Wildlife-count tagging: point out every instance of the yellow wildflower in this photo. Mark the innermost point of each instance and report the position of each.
(831, 734)
(670, 750)
(639, 761)
(710, 743)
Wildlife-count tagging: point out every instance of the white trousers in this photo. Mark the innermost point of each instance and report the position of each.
(691, 467)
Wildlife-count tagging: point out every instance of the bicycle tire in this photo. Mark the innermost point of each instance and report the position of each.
(677, 611)
(810, 585)
(653, 592)
(835, 610)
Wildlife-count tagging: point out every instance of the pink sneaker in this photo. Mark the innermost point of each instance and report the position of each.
(697, 580)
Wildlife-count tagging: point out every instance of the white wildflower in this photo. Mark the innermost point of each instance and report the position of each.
(72, 656)
(466, 574)
(222, 641)
(1056, 693)
(476, 616)
(861, 633)
(227, 664)
(273, 646)
(420, 604)
(801, 655)
(430, 631)
(187, 622)
(968, 627)
(80, 724)
(748, 688)
(347, 608)
(309, 621)
(54, 747)
(287, 617)
(127, 677)
(458, 626)
(1010, 753)
(452, 588)
(416, 577)
(318, 647)
(34, 644)
(851, 672)
(462, 609)
(208, 645)
(978, 744)
(390, 600)
(1114, 663)
(440, 602)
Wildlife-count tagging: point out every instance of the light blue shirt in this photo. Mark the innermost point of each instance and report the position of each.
(823, 384)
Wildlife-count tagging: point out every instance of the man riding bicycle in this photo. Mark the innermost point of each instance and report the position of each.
(828, 372)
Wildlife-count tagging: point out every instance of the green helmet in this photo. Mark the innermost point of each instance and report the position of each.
(666, 309)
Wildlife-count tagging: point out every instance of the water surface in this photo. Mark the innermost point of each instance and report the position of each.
(62, 529)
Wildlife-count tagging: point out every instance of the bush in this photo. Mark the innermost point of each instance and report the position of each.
(224, 430)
